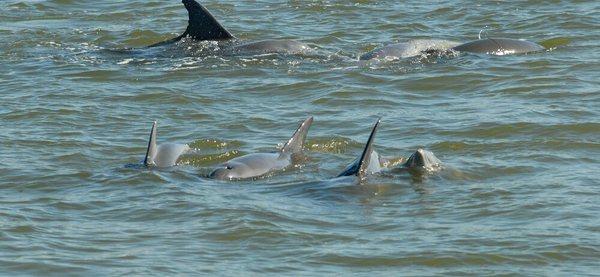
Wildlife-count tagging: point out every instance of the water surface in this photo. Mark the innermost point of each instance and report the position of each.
(519, 136)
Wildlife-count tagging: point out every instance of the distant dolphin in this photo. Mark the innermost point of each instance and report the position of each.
(257, 164)
(202, 26)
(499, 46)
(163, 155)
(410, 48)
(416, 47)
(368, 162)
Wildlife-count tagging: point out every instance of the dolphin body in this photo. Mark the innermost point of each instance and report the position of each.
(411, 48)
(416, 47)
(258, 164)
(163, 155)
(370, 162)
(202, 26)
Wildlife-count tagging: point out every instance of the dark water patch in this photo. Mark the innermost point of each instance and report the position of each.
(38, 267)
(95, 75)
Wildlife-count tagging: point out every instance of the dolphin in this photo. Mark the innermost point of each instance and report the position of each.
(416, 47)
(411, 48)
(258, 164)
(202, 26)
(423, 160)
(163, 155)
(367, 163)
(499, 46)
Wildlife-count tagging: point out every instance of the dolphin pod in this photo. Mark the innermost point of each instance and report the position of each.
(202, 26)
(261, 164)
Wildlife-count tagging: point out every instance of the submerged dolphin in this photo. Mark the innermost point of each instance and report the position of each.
(202, 26)
(411, 48)
(416, 47)
(499, 46)
(367, 162)
(257, 164)
(163, 155)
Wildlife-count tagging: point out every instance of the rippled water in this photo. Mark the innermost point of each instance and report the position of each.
(519, 137)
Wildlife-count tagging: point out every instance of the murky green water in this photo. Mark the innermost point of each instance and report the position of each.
(519, 136)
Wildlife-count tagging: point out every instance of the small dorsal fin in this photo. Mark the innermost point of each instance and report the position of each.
(151, 151)
(359, 167)
(296, 142)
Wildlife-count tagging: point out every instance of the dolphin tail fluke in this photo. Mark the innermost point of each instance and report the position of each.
(151, 151)
(296, 142)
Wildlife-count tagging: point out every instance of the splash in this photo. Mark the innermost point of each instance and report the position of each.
(483, 32)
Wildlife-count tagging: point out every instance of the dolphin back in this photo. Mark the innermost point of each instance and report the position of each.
(202, 25)
(151, 150)
(499, 46)
(361, 167)
(296, 142)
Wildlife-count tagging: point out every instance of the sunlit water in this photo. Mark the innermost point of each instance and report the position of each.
(519, 137)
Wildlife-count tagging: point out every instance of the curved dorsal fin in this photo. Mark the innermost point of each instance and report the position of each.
(202, 25)
(151, 151)
(296, 142)
(365, 158)
(361, 165)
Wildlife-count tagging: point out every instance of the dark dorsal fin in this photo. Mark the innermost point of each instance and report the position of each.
(296, 142)
(151, 151)
(365, 158)
(360, 166)
(202, 25)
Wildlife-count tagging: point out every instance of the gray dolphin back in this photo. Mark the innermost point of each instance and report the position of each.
(423, 159)
(360, 168)
(499, 46)
(296, 142)
(151, 151)
(202, 25)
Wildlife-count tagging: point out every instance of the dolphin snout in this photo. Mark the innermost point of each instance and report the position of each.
(219, 174)
(417, 159)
